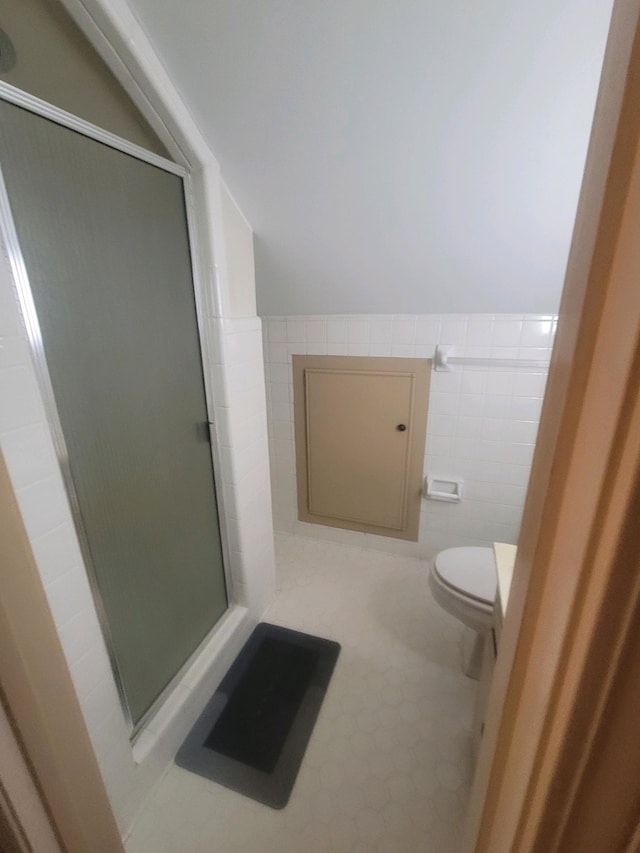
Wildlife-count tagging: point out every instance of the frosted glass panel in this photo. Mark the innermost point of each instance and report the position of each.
(106, 248)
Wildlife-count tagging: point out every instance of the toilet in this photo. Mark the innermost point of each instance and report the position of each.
(463, 581)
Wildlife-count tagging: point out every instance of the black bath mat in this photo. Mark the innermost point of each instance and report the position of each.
(252, 735)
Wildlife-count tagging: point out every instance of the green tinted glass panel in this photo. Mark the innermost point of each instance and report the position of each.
(105, 242)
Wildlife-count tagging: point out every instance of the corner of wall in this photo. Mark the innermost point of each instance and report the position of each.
(238, 238)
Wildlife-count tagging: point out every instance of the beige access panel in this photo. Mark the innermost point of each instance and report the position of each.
(360, 426)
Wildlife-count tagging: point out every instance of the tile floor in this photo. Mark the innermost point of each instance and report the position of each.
(389, 766)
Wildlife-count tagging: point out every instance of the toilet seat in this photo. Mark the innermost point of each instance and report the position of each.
(469, 572)
(464, 583)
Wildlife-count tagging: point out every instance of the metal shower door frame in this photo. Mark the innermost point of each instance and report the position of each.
(205, 345)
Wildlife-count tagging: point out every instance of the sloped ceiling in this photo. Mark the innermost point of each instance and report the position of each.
(395, 156)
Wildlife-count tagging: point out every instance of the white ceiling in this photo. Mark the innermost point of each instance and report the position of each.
(395, 156)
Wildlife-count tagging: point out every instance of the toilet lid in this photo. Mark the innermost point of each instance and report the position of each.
(470, 571)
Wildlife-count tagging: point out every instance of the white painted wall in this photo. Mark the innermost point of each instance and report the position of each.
(391, 157)
(481, 423)
(238, 241)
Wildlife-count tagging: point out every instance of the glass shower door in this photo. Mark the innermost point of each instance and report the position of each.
(105, 244)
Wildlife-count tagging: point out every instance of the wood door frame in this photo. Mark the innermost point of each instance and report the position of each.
(25, 825)
(555, 759)
(40, 698)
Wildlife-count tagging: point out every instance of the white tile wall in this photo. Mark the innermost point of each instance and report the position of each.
(235, 380)
(241, 420)
(482, 423)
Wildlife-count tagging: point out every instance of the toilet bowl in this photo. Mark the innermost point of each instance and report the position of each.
(463, 582)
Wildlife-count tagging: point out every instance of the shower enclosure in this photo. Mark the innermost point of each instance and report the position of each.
(97, 232)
